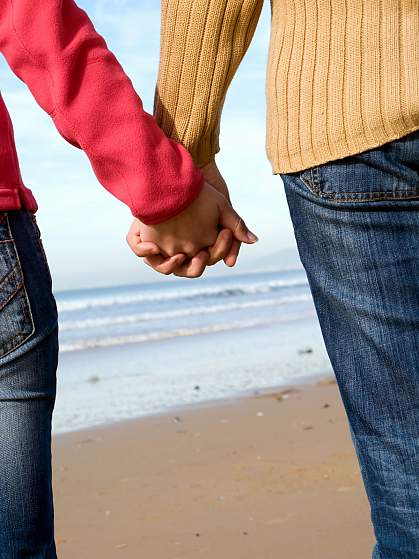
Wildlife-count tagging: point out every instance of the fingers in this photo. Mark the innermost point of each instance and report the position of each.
(226, 247)
(143, 249)
(230, 219)
(221, 248)
(231, 258)
(193, 268)
(138, 247)
(165, 265)
(179, 265)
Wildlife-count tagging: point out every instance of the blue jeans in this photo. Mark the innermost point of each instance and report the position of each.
(28, 363)
(356, 222)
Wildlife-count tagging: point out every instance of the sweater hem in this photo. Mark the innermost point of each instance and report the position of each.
(18, 197)
(286, 168)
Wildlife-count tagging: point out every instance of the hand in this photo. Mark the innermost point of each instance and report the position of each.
(215, 178)
(165, 247)
(179, 264)
(225, 248)
(197, 226)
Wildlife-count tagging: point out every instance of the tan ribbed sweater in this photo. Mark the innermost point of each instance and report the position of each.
(343, 75)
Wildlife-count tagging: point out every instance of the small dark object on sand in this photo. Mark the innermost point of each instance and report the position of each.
(304, 351)
(326, 405)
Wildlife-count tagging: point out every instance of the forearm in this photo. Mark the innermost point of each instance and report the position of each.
(202, 45)
(53, 47)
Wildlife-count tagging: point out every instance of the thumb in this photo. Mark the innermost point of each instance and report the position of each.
(230, 219)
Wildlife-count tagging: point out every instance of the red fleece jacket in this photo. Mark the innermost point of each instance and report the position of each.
(53, 47)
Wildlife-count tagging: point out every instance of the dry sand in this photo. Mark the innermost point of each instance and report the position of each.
(258, 477)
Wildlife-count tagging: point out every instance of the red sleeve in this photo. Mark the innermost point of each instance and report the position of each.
(53, 47)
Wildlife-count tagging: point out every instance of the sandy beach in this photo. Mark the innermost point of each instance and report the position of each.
(267, 476)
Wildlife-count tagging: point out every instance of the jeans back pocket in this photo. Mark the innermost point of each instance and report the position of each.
(389, 172)
(16, 321)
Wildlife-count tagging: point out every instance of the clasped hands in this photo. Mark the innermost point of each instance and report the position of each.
(208, 231)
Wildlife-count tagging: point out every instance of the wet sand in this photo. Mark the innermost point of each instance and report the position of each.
(269, 476)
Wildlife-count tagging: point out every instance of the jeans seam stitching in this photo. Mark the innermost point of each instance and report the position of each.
(369, 196)
(310, 184)
(313, 184)
(25, 307)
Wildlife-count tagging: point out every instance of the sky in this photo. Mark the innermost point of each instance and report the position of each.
(83, 226)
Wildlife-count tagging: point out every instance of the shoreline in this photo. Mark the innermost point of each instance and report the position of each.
(298, 383)
(269, 475)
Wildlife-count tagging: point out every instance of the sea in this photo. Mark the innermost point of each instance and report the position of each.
(134, 350)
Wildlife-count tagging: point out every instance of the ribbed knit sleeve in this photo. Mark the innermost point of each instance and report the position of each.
(202, 45)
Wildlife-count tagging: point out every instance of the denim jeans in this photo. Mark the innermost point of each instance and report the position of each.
(356, 222)
(28, 363)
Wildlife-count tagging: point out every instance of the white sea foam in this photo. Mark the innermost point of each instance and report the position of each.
(78, 304)
(179, 313)
(178, 332)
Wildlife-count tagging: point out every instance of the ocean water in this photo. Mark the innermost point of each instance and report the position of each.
(133, 350)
